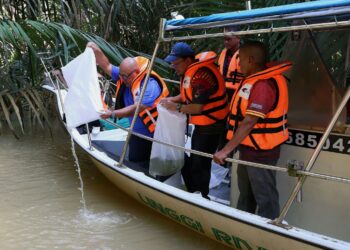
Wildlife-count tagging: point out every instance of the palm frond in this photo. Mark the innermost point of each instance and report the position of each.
(37, 100)
(7, 116)
(32, 106)
(120, 27)
(16, 109)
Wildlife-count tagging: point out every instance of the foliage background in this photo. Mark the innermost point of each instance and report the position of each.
(62, 28)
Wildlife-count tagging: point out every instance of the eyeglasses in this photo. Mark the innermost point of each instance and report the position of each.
(126, 76)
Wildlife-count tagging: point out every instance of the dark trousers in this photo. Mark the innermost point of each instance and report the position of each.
(197, 169)
(257, 187)
(139, 149)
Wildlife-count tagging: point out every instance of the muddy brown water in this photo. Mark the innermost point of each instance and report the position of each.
(40, 204)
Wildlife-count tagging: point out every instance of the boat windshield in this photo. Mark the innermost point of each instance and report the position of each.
(318, 79)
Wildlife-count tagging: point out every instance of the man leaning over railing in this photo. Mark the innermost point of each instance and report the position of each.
(130, 77)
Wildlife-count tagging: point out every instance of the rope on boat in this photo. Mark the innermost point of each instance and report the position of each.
(232, 160)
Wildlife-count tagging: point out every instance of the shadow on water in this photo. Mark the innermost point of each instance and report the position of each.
(41, 206)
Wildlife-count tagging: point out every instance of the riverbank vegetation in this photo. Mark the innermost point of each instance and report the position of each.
(58, 30)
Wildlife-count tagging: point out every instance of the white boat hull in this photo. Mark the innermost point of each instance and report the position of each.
(227, 225)
(223, 228)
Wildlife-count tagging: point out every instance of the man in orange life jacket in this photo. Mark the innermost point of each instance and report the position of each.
(130, 78)
(203, 98)
(257, 127)
(229, 62)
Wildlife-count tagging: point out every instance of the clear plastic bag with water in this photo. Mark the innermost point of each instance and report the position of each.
(170, 128)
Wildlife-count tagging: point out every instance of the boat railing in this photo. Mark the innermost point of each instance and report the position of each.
(301, 174)
(270, 29)
(297, 173)
(298, 22)
(324, 24)
(171, 81)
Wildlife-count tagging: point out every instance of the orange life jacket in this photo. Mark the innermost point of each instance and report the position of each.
(105, 106)
(272, 130)
(233, 76)
(216, 108)
(136, 91)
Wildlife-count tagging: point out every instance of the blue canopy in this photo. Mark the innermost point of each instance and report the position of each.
(291, 11)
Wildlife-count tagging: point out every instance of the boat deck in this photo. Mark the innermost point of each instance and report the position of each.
(111, 142)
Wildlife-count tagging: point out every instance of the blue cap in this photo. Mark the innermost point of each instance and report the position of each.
(180, 49)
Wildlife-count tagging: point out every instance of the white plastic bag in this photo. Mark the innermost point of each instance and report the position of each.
(83, 101)
(170, 128)
(218, 174)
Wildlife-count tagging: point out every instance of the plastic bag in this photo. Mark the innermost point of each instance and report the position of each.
(170, 128)
(83, 101)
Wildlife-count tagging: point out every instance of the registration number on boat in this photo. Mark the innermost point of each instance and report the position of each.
(307, 139)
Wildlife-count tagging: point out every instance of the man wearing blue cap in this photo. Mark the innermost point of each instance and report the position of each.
(203, 98)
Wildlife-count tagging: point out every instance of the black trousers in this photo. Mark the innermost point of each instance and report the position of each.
(257, 188)
(197, 169)
(139, 149)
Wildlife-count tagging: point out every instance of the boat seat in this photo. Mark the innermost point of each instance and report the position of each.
(114, 149)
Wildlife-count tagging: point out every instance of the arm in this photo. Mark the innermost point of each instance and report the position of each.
(151, 93)
(191, 109)
(203, 85)
(127, 111)
(123, 112)
(101, 59)
(176, 99)
(261, 101)
(172, 103)
(187, 109)
(242, 132)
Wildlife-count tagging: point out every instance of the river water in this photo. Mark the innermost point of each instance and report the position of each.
(41, 205)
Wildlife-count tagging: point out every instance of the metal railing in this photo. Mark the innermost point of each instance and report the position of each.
(313, 157)
(233, 160)
(303, 173)
(300, 173)
(270, 29)
(306, 172)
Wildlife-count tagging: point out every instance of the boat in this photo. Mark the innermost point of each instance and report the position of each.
(316, 207)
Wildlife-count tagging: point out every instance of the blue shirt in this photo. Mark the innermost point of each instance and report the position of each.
(152, 92)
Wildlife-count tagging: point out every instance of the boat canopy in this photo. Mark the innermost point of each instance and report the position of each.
(308, 11)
